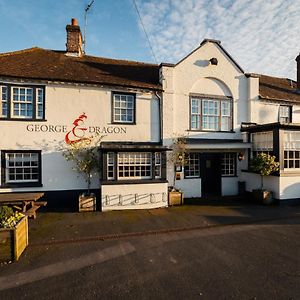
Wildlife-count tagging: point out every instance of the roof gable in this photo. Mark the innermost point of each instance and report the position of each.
(218, 44)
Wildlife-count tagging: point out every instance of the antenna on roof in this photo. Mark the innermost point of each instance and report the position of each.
(85, 23)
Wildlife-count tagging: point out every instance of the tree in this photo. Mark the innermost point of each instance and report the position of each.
(264, 164)
(85, 156)
(178, 155)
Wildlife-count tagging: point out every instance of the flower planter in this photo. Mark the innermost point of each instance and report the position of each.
(87, 203)
(13, 241)
(263, 196)
(175, 198)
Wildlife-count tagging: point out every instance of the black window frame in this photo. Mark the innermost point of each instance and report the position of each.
(5, 184)
(202, 98)
(10, 116)
(113, 121)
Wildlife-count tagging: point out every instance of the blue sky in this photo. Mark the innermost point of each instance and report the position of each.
(263, 36)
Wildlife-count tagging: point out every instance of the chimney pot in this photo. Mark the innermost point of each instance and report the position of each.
(74, 22)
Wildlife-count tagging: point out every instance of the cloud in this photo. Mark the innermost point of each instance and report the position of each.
(262, 36)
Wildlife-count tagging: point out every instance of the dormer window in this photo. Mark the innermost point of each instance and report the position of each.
(22, 102)
(285, 114)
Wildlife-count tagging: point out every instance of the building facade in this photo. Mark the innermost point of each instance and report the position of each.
(50, 99)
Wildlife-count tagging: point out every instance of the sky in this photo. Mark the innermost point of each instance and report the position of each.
(263, 36)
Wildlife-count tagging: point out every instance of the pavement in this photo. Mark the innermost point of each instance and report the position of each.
(228, 250)
(70, 227)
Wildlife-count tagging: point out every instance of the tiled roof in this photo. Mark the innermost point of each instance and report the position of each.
(278, 88)
(41, 64)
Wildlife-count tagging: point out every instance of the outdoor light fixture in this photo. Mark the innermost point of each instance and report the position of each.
(241, 156)
(213, 61)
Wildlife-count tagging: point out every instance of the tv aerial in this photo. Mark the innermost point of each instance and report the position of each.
(86, 10)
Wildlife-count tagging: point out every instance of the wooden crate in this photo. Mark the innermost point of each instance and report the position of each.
(87, 203)
(13, 241)
(175, 198)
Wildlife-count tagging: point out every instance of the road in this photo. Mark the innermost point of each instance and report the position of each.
(251, 261)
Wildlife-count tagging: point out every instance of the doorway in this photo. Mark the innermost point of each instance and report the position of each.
(210, 164)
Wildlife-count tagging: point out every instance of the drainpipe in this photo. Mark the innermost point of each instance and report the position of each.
(160, 110)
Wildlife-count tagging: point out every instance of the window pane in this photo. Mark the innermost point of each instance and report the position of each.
(123, 108)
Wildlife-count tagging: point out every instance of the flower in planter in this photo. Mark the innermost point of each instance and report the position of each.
(265, 165)
(8, 217)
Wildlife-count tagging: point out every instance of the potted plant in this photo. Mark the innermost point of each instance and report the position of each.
(265, 165)
(177, 158)
(85, 157)
(13, 234)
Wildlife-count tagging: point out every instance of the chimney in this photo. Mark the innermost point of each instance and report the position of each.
(74, 39)
(298, 71)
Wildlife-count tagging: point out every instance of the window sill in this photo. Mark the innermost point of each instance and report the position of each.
(137, 181)
(22, 120)
(123, 123)
(20, 185)
(212, 131)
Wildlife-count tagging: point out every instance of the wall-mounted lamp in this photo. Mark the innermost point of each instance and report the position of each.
(213, 61)
(241, 156)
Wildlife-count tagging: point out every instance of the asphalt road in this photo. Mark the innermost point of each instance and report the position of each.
(254, 261)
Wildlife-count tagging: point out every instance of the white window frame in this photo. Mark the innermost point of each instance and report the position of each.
(22, 166)
(228, 165)
(157, 165)
(110, 166)
(4, 101)
(192, 168)
(285, 112)
(39, 103)
(134, 163)
(291, 147)
(123, 108)
(211, 114)
(25, 102)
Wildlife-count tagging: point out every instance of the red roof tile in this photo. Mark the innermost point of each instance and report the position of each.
(41, 64)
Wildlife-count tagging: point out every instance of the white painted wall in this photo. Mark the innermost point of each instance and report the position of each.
(253, 181)
(191, 187)
(289, 187)
(230, 186)
(134, 196)
(195, 75)
(63, 104)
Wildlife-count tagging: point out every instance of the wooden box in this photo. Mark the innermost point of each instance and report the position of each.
(13, 241)
(175, 198)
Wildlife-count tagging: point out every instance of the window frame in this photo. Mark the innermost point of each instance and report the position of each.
(5, 183)
(234, 154)
(133, 122)
(199, 116)
(186, 168)
(10, 102)
(290, 109)
(154, 163)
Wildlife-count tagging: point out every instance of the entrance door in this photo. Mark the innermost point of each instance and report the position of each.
(210, 174)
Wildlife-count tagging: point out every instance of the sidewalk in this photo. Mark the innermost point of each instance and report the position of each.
(66, 227)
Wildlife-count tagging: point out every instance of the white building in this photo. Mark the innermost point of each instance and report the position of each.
(52, 97)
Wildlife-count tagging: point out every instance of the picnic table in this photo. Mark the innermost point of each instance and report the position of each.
(28, 201)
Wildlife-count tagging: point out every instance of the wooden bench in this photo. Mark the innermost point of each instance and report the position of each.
(31, 212)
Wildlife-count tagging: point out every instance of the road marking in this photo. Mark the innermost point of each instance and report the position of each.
(16, 280)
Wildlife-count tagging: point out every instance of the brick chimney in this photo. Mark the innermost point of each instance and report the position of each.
(74, 39)
(298, 71)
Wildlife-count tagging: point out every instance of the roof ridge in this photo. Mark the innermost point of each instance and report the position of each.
(275, 77)
(124, 60)
(21, 51)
